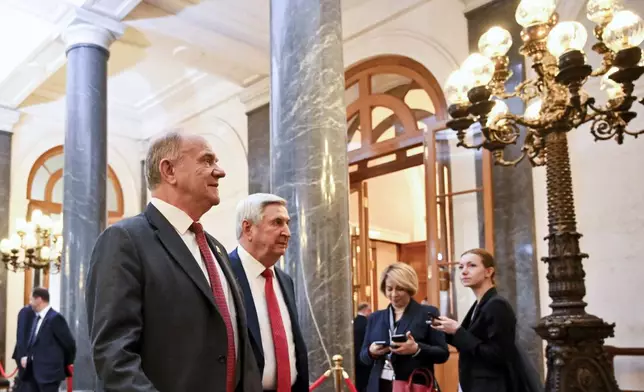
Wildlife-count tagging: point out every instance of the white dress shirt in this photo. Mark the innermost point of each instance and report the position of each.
(181, 223)
(257, 282)
(42, 315)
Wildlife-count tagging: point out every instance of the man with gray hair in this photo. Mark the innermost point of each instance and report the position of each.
(164, 310)
(276, 337)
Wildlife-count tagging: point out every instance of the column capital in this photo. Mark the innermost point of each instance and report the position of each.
(88, 27)
(8, 118)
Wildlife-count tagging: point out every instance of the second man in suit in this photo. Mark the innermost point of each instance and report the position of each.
(276, 338)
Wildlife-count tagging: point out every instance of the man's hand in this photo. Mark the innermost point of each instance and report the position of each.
(23, 362)
(410, 347)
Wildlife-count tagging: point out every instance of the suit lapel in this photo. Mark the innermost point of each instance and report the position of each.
(479, 306)
(407, 317)
(179, 251)
(251, 312)
(288, 294)
(50, 313)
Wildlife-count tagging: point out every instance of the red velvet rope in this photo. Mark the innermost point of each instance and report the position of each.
(318, 382)
(352, 388)
(5, 375)
(70, 379)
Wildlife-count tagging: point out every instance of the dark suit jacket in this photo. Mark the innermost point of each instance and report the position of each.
(486, 346)
(362, 370)
(50, 352)
(153, 322)
(286, 285)
(433, 348)
(26, 316)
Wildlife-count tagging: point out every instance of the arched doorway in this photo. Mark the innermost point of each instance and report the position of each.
(391, 102)
(406, 173)
(45, 193)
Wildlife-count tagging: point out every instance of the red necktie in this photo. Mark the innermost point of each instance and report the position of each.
(282, 361)
(220, 300)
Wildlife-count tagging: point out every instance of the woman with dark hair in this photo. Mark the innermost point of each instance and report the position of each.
(488, 356)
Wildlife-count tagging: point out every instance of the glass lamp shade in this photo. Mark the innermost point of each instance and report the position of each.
(495, 42)
(480, 69)
(601, 11)
(567, 36)
(533, 110)
(498, 110)
(457, 85)
(613, 89)
(626, 30)
(5, 246)
(534, 12)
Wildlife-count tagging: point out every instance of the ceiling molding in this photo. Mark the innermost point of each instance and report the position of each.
(49, 55)
(8, 118)
(256, 95)
(471, 5)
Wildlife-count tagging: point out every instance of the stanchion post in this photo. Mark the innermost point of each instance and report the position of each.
(338, 373)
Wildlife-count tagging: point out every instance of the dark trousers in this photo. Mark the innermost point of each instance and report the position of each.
(32, 386)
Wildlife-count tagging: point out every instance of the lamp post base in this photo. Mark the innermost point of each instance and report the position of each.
(576, 359)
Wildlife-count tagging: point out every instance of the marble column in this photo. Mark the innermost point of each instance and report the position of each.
(514, 232)
(309, 169)
(8, 119)
(84, 178)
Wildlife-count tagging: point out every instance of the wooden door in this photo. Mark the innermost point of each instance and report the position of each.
(460, 217)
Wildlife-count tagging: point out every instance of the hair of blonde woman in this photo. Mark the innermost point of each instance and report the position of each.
(400, 275)
(486, 259)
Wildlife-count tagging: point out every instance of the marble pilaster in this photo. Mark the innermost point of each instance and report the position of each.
(259, 151)
(514, 232)
(8, 119)
(85, 174)
(5, 194)
(309, 169)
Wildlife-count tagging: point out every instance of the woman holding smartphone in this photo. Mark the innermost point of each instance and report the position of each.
(485, 339)
(398, 340)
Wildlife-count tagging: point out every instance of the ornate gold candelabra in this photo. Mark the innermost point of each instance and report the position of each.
(35, 245)
(556, 104)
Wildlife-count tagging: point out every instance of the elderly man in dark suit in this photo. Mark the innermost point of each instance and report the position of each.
(165, 312)
(263, 234)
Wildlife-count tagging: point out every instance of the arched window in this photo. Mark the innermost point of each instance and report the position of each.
(45, 186)
(45, 193)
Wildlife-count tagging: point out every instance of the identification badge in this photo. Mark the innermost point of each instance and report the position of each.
(387, 371)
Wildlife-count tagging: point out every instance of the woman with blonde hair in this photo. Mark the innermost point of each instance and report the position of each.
(397, 340)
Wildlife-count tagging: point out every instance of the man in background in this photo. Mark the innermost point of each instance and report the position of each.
(359, 329)
(45, 345)
(263, 235)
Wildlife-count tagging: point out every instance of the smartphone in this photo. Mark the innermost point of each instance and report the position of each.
(431, 319)
(381, 343)
(399, 338)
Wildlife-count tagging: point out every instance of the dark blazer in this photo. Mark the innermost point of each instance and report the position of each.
(26, 316)
(433, 348)
(486, 346)
(51, 350)
(362, 370)
(153, 321)
(286, 285)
